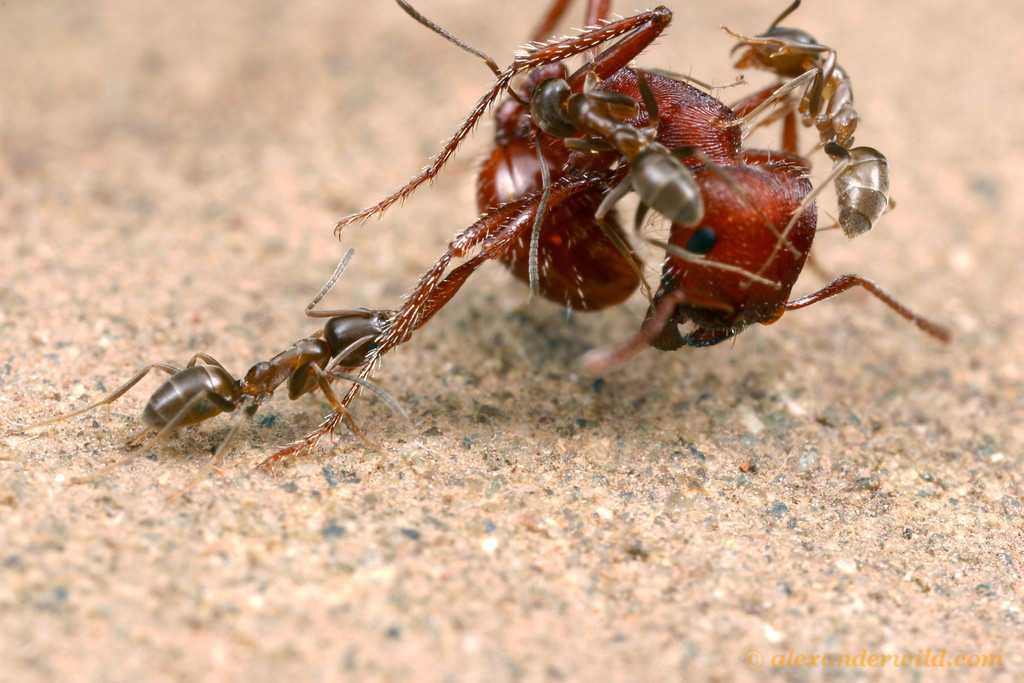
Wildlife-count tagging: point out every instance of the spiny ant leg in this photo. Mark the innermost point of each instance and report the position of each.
(496, 231)
(643, 28)
(547, 25)
(324, 380)
(845, 282)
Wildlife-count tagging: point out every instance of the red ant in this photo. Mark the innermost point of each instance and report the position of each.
(569, 145)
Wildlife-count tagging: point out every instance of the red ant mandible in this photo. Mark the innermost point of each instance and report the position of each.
(569, 145)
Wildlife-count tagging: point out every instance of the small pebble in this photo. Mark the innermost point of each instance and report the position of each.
(847, 566)
(750, 421)
(772, 635)
(332, 530)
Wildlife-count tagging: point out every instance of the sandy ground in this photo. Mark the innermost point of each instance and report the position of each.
(837, 484)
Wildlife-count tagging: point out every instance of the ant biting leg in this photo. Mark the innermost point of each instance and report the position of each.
(324, 381)
(495, 232)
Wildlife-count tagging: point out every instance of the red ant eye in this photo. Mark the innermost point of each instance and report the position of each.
(702, 241)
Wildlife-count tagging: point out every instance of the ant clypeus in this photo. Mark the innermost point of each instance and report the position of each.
(569, 145)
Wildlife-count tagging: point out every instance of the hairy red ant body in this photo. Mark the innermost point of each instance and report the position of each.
(568, 145)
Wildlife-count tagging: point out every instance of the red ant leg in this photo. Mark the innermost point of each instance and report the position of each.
(597, 11)
(845, 282)
(643, 27)
(550, 20)
(620, 54)
(599, 361)
(789, 133)
(497, 231)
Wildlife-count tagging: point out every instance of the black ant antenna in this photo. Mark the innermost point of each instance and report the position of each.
(447, 35)
(785, 13)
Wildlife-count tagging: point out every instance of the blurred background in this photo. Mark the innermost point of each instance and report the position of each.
(170, 175)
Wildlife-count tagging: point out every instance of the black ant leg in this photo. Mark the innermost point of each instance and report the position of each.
(164, 431)
(169, 368)
(324, 380)
(780, 94)
(217, 459)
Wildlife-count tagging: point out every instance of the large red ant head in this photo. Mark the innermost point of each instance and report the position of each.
(512, 118)
(736, 267)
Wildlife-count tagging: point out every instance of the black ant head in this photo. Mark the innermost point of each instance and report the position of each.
(512, 118)
(784, 57)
